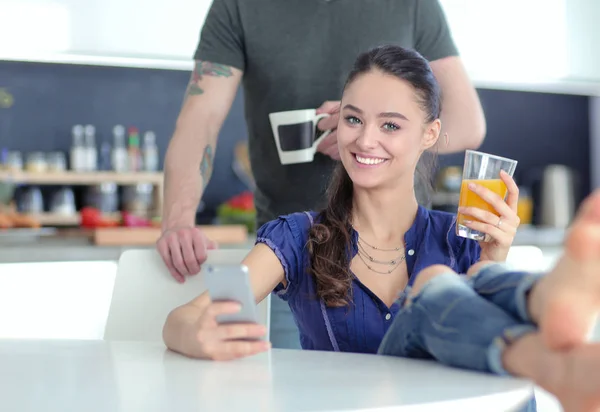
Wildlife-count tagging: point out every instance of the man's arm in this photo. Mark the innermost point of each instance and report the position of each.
(463, 119)
(190, 155)
(462, 116)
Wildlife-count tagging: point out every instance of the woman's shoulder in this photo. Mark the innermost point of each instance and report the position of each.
(296, 225)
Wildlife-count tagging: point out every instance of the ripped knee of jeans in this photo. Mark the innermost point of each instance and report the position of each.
(484, 265)
(432, 279)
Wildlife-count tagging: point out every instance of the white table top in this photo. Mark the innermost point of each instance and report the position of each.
(65, 376)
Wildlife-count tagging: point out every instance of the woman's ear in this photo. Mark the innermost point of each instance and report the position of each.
(432, 134)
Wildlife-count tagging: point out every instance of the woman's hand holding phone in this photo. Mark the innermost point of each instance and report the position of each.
(226, 341)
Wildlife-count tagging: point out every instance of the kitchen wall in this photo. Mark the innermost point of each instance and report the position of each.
(535, 128)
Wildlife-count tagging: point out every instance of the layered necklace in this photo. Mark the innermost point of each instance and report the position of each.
(369, 260)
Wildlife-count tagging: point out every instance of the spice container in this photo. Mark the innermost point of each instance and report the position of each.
(90, 148)
(78, 158)
(150, 152)
(138, 199)
(119, 156)
(13, 162)
(36, 162)
(56, 161)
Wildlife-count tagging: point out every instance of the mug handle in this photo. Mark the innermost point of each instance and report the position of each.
(325, 133)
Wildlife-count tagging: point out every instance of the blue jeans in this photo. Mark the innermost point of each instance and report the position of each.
(465, 322)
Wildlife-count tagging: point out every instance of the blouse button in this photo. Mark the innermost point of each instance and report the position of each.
(411, 252)
(388, 316)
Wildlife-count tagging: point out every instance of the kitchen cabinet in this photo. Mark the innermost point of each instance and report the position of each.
(507, 45)
(117, 29)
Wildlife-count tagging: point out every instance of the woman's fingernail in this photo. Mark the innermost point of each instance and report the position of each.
(467, 222)
(472, 186)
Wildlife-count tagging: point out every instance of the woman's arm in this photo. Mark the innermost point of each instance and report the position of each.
(188, 328)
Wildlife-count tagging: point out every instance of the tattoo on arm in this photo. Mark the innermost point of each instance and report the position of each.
(206, 165)
(202, 68)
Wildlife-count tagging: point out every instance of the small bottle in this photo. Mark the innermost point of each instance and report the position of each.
(105, 162)
(133, 152)
(119, 156)
(150, 151)
(78, 154)
(90, 148)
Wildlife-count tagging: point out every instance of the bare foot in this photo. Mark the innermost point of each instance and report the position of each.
(573, 376)
(565, 303)
(577, 383)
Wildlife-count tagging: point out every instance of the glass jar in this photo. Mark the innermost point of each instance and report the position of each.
(13, 162)
(57, 162)
(36, 162)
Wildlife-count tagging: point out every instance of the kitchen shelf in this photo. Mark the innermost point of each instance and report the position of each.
(57, 219)
(54, 219)
(82, 178)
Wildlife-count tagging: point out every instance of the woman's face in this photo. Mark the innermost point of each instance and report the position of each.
(382, 130)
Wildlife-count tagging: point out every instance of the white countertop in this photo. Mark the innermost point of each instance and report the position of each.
(90, 376)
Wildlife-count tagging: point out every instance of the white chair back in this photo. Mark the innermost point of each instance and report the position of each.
(55, 300)
(145, 293)
(529, 258)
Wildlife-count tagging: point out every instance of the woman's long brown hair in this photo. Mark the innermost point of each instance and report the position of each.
(330, 238)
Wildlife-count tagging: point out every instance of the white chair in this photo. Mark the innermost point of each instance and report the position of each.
(55, 300)
(145, 293)
(530, 258)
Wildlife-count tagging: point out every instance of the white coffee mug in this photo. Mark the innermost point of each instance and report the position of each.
(295, 133)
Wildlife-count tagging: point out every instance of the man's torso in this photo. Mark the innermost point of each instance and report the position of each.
(298, 54)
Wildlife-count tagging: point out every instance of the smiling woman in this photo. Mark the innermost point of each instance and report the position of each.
(374, 272)
(381, 138)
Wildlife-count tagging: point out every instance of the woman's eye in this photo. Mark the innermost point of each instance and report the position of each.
(352, 120)
(391, 127)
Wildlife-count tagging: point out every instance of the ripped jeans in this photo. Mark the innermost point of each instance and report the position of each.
(465, 322)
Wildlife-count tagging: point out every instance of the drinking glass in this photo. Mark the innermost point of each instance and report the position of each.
(482, 169)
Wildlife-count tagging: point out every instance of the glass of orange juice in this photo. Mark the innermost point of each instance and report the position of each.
(484, 170)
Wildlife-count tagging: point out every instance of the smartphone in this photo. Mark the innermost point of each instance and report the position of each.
(232, 283)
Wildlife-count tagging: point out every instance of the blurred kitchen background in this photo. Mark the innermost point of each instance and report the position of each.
(90, 90)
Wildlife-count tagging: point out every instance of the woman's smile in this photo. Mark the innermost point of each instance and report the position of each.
(363, 160)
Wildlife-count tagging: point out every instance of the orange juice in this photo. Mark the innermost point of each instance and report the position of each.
(471, 199)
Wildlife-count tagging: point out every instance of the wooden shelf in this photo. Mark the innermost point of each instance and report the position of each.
(52, 219)
(57, 219)
(82, 178)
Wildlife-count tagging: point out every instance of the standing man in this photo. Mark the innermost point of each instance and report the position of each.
(292, 54)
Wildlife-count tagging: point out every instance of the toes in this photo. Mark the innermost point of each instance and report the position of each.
(590, 208)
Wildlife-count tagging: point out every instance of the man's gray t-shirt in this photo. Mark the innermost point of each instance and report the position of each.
(296, 54)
